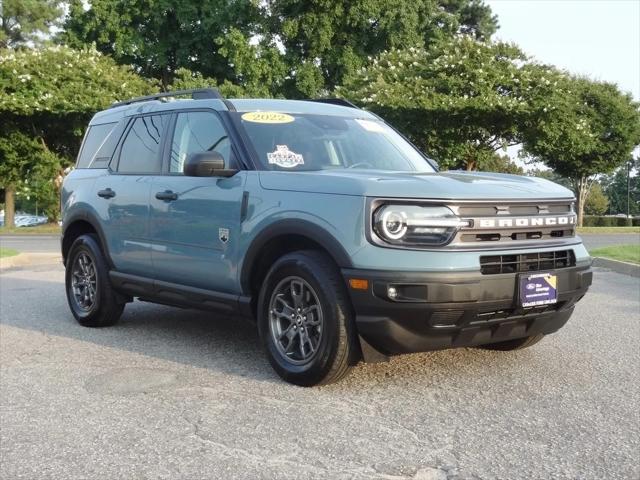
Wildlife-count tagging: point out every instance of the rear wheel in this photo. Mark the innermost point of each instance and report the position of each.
(305, 320)
(91, 298)
(516, 344)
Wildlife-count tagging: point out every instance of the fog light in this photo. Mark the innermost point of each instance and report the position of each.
(392, 293)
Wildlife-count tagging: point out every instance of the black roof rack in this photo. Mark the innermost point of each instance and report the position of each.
(196, 94)
(336, 101)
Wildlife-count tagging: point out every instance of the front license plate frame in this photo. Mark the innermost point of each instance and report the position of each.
(537, 289)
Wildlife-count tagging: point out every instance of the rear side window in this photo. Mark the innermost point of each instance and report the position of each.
(93, 140)
(141, 149)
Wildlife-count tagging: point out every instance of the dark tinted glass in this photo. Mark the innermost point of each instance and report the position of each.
(140, 151)
(96, 136)
(198, 132)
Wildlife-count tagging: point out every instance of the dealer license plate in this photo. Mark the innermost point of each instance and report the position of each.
(538, 289)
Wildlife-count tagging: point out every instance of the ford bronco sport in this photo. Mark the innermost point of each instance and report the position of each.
(319, 221)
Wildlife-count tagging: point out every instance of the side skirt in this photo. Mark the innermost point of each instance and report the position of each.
(173, 294)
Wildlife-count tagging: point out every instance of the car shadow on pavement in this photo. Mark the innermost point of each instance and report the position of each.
(200, 339)
(229, 345)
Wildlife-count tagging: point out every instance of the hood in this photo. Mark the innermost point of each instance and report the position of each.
(457, 185)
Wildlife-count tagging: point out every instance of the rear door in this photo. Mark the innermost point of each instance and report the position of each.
(124, 194)
(195, 221)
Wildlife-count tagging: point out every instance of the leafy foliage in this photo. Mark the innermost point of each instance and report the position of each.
(461, 101)
(61, 81)
(160, 36)
(287, 47)
(615, 186)
(326, 41)
(591, 128)
(23, 21)
(597, 202)
(47, 96)
(17, 151)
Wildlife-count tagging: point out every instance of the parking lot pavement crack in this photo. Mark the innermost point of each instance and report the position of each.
(240, 453)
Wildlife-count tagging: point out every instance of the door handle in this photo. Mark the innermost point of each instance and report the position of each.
(167, 195)
(106, 193)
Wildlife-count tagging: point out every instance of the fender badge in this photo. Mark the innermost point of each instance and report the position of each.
(223, 235)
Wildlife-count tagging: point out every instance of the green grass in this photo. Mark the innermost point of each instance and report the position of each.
(48, 229)
(7, 252)
(608, 229)
(624, 253)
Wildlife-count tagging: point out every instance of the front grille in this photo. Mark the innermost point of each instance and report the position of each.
(500, 224)
(527, 262)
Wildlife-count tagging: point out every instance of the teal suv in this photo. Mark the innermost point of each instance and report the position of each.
(318, 221)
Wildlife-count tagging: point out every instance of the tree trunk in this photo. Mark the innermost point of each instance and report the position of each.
(582, 187)
(9, 206)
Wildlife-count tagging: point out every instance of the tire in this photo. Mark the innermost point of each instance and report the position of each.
(516, 344)
(326, 331)
(91, 298)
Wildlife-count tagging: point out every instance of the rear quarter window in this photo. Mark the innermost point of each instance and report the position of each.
(93, 140)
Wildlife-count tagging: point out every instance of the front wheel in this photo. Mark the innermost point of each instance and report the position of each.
(305, 320)
(516, 344)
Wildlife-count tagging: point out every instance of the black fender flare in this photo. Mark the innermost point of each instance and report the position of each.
(91, 219)
(297, 227)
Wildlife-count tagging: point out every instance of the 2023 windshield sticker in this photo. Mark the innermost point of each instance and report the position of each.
(285, 158)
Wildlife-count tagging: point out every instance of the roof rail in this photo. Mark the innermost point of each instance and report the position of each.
(196, 94)
(336, 101)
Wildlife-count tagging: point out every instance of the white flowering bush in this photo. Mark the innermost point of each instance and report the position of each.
(47, 97)
(462, 101)
(60, 80)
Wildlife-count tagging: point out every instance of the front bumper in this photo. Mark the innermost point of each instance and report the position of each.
(448, 310)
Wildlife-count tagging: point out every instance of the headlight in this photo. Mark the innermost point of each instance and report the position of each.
(416, 225)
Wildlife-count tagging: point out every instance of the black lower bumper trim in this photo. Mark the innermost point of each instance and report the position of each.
(448, 310)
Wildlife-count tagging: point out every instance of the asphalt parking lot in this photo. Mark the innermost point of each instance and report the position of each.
(170, 393)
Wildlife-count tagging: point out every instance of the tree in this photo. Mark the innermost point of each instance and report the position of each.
(462, 101)
(326, 41)
(17, 153)
(47, 96)
(587, 128)
(160, 36)
(23, 21)
(292, 48)
(502, 164)
(597, 202)
(616, 184)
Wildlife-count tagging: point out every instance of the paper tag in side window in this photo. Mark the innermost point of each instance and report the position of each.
(285, 158)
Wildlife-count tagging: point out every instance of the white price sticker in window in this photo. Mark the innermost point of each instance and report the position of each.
(370, 126)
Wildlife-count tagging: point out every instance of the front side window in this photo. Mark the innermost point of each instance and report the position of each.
(304, 142)
(140, 152)
(198, 132)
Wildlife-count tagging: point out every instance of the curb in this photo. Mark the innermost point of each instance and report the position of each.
(617, 266)
(23, 259)
(14, 261)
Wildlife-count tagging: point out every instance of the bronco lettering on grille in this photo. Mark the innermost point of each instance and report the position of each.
(523, 222)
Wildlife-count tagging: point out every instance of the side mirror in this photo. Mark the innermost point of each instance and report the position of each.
(206, 164)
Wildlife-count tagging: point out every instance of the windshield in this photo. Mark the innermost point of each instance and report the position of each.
(303, 142)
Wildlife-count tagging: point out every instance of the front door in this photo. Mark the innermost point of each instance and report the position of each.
(195, 221)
